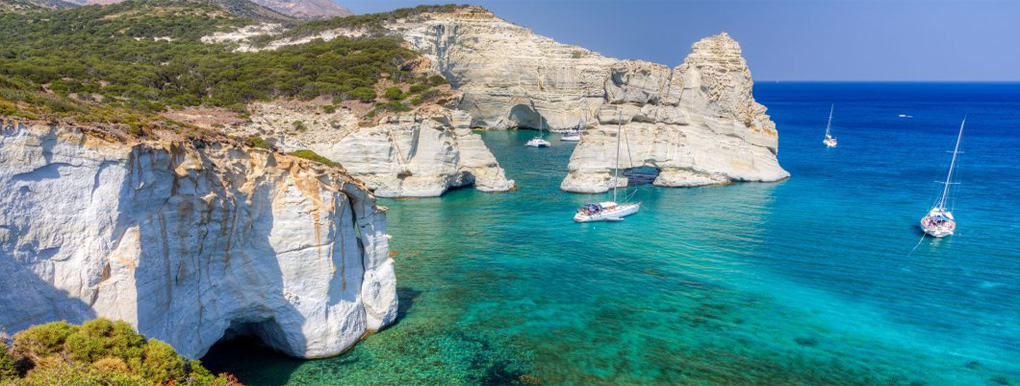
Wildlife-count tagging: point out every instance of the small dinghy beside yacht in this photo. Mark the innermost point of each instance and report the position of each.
(829, 140)
(940, 221)
(609, 210)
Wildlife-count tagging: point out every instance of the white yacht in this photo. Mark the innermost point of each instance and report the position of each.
(940, 221)
(609, 210)
(829, 140)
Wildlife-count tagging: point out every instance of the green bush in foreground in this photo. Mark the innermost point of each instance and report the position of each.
(99, 352)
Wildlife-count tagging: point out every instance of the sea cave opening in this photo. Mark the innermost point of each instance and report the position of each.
(246, 343)
(643, 175)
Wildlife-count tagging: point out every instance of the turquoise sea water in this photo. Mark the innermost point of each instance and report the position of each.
(803, 282)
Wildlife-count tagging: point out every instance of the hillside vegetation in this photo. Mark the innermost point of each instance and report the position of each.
(124, 63)
(99, 352)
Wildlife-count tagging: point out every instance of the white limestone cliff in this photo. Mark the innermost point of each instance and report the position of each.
(422, 153)
(697, 123)
(188, 241)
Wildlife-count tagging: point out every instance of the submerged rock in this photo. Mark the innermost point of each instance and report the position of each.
(189, 241)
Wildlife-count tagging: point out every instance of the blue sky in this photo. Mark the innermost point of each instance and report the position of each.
(786, 40)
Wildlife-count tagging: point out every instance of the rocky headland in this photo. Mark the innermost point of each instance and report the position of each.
(189, 240)
(697, 123)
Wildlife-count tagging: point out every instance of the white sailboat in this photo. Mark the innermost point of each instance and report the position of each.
(829, 140)
(609, 210)
(538, 141)
(574, 135)
(940, 221)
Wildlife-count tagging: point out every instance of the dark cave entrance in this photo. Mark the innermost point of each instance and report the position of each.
(244, 348)
(643, 175)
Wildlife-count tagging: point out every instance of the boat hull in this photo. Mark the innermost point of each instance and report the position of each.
(938, 223)
(937, 230)
(616, 213)
(538, 143)
(829, 142)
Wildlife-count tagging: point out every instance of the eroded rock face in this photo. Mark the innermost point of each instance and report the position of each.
(697, 123)
(189, 241)
(416, 154)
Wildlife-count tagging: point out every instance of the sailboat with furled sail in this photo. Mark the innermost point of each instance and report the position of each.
(940, 221)
(829, 140)
(609, 210)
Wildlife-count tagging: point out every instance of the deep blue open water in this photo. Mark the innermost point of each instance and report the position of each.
(809, 281)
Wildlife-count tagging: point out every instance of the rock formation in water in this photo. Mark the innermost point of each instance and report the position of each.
(188, 240)
(697, 123)
(421, 153)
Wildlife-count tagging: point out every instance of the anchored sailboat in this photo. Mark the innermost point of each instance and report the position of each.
(940, 221)
(609, 210)
(574, 135)
(829, 140)
(538, 141)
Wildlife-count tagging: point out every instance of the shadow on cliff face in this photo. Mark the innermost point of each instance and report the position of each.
(27, 300)
(526, 117)
(206, 268)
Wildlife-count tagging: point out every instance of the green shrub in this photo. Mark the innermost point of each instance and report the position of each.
(437, 80)
(415, 89)
(313, 156)
(393, 94)
(162, 362)
(8, 365)
(43, 340)
(258, 142)
(329, 109)
(99, 352)
(298, 125)
(365, 94)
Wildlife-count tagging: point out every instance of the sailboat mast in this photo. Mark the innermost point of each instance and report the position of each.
(952, 165)
(829, 124)
(616, 170)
